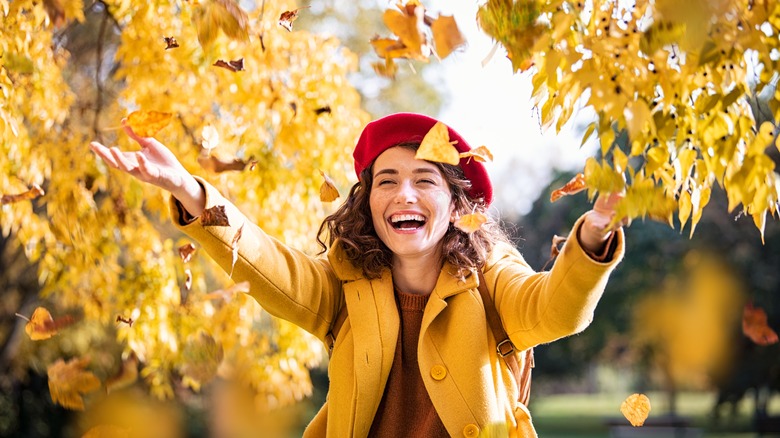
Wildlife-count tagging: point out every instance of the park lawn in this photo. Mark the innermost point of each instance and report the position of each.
(588, 415)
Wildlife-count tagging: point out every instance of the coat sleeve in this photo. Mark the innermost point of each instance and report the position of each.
(286, 282)
(540, 307)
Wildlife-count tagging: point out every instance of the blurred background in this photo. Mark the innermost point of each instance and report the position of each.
(670, 324)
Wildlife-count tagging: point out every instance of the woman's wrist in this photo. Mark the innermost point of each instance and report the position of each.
(191, 195)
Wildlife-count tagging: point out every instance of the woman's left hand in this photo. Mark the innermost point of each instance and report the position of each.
(598, 223)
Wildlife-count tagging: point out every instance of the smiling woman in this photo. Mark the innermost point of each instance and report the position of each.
(415, 355)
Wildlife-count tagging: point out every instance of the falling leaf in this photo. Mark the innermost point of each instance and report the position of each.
(126, 376)
(575, 185)
(328, 190)
(470, 223)
(214, 216)
(201, 357)
(322, 110)
(128, 321)
(34, 192)
(209, 138)
(211, 16)
(755, 326)
(387, 69)
(68, 381)
(107, 431)
(446, 35)
(234, 247)
(481, 154)
(218, 165)
(636, 408)
(186, 251)
(42, 326)
(287, 18)
(148, 123)
(555, 248)
(170, 43)
(408, 25)
(188, 279)
(436, 146)
(227, 294)
(234, 66)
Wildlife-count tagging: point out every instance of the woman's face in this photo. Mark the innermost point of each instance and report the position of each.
(411, 203)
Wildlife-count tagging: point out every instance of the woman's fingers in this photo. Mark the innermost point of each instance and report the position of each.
(126, 162)
(103, 153)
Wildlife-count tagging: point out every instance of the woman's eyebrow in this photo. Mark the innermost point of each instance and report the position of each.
(395, 172)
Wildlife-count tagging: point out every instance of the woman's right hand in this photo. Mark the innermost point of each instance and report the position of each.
(156, 164)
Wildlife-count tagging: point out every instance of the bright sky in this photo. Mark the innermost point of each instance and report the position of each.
(491, 106)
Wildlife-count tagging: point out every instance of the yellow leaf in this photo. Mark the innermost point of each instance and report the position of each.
(328, 190)
(636, 408)
(436, 146)
(42, 326)
(685, 207)
(408, 28)
(470, 223)
(446, 35)
(148, 123)
(68, 381)
(212, 15)
(481, 154)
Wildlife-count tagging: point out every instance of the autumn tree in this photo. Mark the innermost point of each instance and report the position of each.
(259, 110)
(689, 86)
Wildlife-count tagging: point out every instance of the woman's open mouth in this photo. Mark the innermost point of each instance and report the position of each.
(407, 222)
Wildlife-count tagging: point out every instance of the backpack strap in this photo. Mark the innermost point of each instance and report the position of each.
(330, 338)
(504, 346)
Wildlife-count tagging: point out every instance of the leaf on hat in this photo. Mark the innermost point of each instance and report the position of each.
(148, 123)
(43, 326)
(68, 381)
(436, 146)
(481, 154)
(328, 190)
(470, 223)
(446, 35)
(636, 408)
(575, 185)
(34, 192)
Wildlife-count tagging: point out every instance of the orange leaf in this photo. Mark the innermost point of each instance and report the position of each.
(287, 18)
(436, 146)
(34, 192)
(186, 251)
(126, 376)
(470, 223)
(170, 43)
(234, 66)
(43, 326)
(755, 327)
(446, 35)
(328, 190)
(481, 154)
(68, 381)
(389, 48)
(148, 123)
(575, 185)
(408, 27)
(215, 216)
(636, 408)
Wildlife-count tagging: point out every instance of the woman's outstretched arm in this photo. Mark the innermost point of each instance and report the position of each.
(155, 164)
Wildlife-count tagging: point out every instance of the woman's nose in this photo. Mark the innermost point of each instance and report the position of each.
(406, 194)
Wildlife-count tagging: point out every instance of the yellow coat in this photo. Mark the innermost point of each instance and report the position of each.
(470, 387)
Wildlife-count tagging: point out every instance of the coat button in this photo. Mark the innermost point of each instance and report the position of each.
(471, 430)
(438, 372)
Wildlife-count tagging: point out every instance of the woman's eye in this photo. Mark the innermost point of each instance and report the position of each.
(427, 181)
(385, 182)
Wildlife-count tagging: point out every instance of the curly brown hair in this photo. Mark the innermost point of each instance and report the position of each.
(352, 226)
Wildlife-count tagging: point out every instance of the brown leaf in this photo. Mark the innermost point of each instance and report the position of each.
(755, 326)
(68, 381)
(126, 376)
(575, 185)
(322, 110)
(218, 165)
(446, 35)
(328, 190)
(287, 18)
(214, 216)
(128, 321)
(470, 223)
(227, 294)
(148, 123)
(481, 154)
(34, 192)
(555, 248)
(636, 408)
(234, 66)
(186, 251)
(42, 326)
(436, 146)
(234, 247)
(170, 43)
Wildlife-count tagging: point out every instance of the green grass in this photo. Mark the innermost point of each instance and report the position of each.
(587, 415)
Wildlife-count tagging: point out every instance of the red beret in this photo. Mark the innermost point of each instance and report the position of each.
(392, 130)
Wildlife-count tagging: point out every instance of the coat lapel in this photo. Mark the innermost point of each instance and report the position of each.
(447, 285)
(374, 318)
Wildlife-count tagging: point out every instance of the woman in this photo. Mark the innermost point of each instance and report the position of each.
(415, 356)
